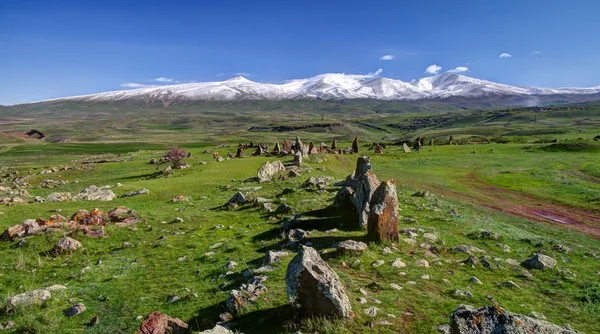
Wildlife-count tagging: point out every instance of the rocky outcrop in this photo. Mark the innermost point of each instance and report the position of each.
(93, 193)
(493, 319)
(383, 217)
(539, 261)
(247, 293)
(160, 323)
(314, 289)
(269, 169)
(354, 200)
(37, 296)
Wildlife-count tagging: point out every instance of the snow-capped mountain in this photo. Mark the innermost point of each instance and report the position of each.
(329, 86)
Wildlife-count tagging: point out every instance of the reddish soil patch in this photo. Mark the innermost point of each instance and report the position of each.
(529, 207)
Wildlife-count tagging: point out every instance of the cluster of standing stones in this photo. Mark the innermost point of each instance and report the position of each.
(313, 287)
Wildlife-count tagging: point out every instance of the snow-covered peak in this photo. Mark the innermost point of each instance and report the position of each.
(328, 86)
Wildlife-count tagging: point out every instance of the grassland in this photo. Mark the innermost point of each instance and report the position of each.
(516, 173)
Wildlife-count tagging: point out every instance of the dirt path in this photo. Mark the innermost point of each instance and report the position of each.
(526, 206)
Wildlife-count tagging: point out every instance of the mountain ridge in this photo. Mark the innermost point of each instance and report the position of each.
(328, 86)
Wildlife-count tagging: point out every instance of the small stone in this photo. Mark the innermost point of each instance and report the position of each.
(430, 236)
(84, 270)
(126, 245)
(351, 247)
(539, 261)
(398, 263)
(177, 221)
(378, 263)
(74, 310)
(396, 286)
(230, 265)
(510, 284)
(475, 280)
(173, 299)
(422, 263)
(371, 311)
(217, 245)
(362, 300)
(363, 292)
(387, 250)
(426, 277)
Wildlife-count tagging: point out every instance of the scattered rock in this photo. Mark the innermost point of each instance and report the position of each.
(296, 235)
(179, 198)
(475, 280)
(218, 329)
(274, 256)
(539, 261)
(371, 311)
(6, 325)
(58, 197)
(493, 319)
(230, 265)
(467, 249)
(314, 288)
(351, 247)
(398, 263)
(67, 245)
(378, 263)
(462, 293)
(238, 198)
(74, 310)
(422, 263)
(160, 323)
(248, 293)
(510, 284)
(136, 193)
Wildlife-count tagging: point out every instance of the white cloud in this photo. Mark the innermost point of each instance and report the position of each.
(220, 74)
(433, 69)
(387, 57)
(164, 79)
(136, 85)
(536, 52)
(244, 74)
(376, 73)
(505, 55)
(459, 69)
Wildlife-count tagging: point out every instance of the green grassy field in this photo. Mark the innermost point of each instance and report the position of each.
(510, 188)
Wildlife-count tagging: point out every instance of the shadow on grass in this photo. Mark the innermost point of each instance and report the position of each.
(271, 320)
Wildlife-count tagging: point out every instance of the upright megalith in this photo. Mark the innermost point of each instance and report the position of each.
(355, 145)
(298, 145)
(383, 218)
(312, 149)
(354, 199)
(298, 159)
(259, 150)
(287, 146)
(240, 152)
(334, 145)
(276, 148)
(314, 289)
(406, 148)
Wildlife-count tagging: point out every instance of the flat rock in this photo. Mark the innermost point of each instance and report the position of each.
(539, 261)
(269, 169)
(493, 319)
(93, 193)
(351, 247)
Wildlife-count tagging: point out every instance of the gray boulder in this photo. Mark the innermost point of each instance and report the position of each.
(93, 193)
(67, 245)
(351, 247)
(218, 329)
(493, 319)
(539, 261)
(269, 169)
(314, 288)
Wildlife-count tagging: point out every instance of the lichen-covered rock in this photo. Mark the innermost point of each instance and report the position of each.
(67, 245)
(539, 261)
(218, 329)
(29, 298)
(383, 217)
(248, 293)
(354, 200)
(314, 288)
(298, 159)
(93, 193)
(275, 256)
(493, 319)
(58, 197)
(75, 310)
(122, 215)
(143, 191)
(160, 323)
(351, 247)
(269, 169)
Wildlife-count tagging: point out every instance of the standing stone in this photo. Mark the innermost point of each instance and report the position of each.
(422, 141)
(354, 200)
(314, 288)
(323, 148)
(240, 152)
(298, 145)
(450, 140)
(417, 145)
(431, 142)
(355, 145)
(334, 145)
(311, 148)
(406, 148)
(298, 159)
(259, 151)
(277, 149)
(160, 323)
(383, 218)
(379, 149)
(287, 146)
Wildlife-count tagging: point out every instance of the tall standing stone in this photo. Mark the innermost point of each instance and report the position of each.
(450, 140)
(334, 145)
(240, 152)
(311, 148)
(298, 159)
(406, 148)
(259, 151)
(287, 146)
(354, 200)
(298, 145)
(431, 142)
(314, 289)
(276, 149)
(355, 145)
(383, 217)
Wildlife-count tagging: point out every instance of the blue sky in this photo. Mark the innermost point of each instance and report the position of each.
(60, 48)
